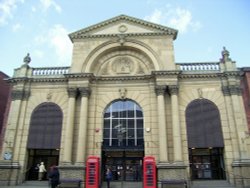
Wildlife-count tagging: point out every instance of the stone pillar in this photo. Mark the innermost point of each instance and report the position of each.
(163, 148)
(20, 125)
(176, 123)
(13, 120)
(231, 122)
(82, 135)
(68, 139)
(237, 111)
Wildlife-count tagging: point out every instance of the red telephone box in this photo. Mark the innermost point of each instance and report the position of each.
(92, 172)
(149, 172)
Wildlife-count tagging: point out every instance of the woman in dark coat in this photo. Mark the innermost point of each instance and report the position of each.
(54, 177)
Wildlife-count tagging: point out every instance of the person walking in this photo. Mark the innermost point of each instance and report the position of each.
(54, 176)
(42, 171)
(108, 177)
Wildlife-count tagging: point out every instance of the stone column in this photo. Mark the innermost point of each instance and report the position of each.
(82, 135)
(163, 148)
(20, 125)
(176, 123)
(13, 119)
(68, 139)
(231, 122)
(237, 112)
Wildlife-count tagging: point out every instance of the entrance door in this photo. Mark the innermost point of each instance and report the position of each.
(49, 157)
(206, 163)
(123, 140)
(124, 166)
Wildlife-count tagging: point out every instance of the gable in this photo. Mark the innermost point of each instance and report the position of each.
(123, 25)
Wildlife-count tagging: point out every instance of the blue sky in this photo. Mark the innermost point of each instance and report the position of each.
(41, 27)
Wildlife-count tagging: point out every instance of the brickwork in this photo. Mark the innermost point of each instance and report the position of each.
(4, 104)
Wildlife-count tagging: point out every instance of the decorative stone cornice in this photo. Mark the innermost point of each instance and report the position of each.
(72, 92)
(37, 80)
(84, 91)
(20, 95)
(173, 89)
(17, 80)
(158, 28)
(79, 75)
(230, 74)
(160, 90)
(122, 78)
(118, 34)
(166, 73)
(199, 75)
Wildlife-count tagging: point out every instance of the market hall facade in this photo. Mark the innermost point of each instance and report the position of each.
(123, 98)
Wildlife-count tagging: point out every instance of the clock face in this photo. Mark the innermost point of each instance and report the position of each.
(7, 156)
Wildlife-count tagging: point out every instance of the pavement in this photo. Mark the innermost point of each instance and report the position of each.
(44, 184)
(30, 184)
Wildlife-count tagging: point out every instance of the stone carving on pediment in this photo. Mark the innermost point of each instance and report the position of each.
(123, 63)
(140, 70)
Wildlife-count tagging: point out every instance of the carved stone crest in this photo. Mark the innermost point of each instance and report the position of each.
(122, 65)
(123, 92)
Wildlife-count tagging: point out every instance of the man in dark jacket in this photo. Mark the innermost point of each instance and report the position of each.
(54, 176)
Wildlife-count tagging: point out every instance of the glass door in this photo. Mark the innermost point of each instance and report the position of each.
(206, 163)
(125, 166)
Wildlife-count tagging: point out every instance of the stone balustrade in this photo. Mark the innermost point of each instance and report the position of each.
(211, 66)
(50, 71)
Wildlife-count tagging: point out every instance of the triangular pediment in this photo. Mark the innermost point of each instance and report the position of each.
(123, 25)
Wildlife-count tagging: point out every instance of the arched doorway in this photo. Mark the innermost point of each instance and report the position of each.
(205, 140)
(44, 138)
(123, 141)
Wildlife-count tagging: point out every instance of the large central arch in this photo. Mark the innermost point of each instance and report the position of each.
(123, 140)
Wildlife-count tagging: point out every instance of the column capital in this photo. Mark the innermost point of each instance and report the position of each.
(160, 90)
(84, 91)
(26, 95)
(234, 90)
(173, 89)
(20, 95)
(225, 90)
(72, 92)
(231, 90)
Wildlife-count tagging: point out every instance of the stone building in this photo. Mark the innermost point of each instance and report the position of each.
(4, 103)
(122, 98)
(245, 84)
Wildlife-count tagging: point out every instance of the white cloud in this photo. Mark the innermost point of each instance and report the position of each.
(16, 27)
(38, 54)
(60, 42)
(7, 7)
(50, 3)
(33, 9)
(56, 38)
(178, 18)
(41, 39)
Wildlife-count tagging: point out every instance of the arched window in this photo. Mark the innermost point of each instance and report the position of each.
(123, 125)
(45, 127)
(203, 125)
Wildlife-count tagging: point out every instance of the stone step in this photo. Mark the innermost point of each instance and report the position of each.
(211, 184)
